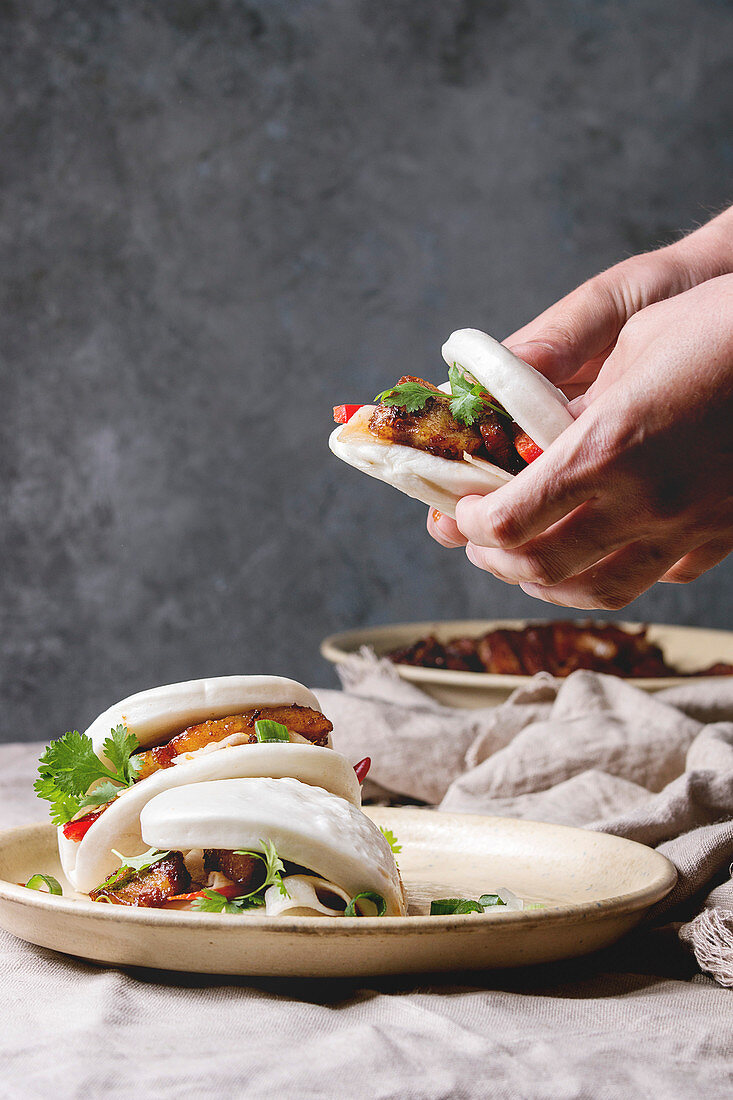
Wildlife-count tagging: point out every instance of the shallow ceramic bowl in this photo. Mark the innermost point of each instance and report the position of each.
(593, 888)
(687, 647)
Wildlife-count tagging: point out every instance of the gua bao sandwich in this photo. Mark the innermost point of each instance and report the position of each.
(472, 434)
(222, 795)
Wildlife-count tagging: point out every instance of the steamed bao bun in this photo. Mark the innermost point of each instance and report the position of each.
(531, 400)
(309, 826)
(156, 715)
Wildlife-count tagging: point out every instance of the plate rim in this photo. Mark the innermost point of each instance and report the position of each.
(332, 649)
(569, 913)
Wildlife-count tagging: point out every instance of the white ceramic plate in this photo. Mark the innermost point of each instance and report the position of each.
(593, 887)
(687, 647)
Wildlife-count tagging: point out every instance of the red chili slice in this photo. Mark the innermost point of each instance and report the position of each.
(77, 830)
(526, 447)
(229, 892)
(362, 768)
(342, 414)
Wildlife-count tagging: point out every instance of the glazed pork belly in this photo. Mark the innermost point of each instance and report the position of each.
(148, 888)
(556, 647)
(434, 429)
(307, 723)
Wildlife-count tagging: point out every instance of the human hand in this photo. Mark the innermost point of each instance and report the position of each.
(640, 488)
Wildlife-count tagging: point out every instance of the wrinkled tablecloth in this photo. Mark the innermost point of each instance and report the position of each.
(636, 1020)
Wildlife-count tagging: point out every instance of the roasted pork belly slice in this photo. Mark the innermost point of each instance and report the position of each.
(499, 442)
(148, 888)
(309, 723)
(240, 869)
(430, 429)
(497, 653)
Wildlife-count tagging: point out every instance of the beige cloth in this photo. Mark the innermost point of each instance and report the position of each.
(638, 1020)
(591, 750)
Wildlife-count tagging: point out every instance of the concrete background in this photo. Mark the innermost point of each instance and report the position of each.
(219, 219)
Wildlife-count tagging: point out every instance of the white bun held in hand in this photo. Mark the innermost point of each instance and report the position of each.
(308, 826)
(88, 862)
(530, 399)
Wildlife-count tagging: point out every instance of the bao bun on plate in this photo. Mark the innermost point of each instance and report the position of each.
(531, 400)
(155, 716)
(308, 826)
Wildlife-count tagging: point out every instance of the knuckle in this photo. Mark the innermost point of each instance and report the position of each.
(505, 528)
(683, 574)
(542, 568)
(608, 599)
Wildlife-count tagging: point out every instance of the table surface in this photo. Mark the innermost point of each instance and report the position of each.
(636, 1020)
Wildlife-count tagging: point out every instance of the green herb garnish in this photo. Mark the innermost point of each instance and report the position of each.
(70, 766)
(368, 895)
(267, 730)
(35, 882)
(458, 906)
(141, 862)
(391, 840)
(468, 400)
(214, 902)
(130, 865)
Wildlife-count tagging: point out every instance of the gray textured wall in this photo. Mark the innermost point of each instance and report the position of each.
(220, 218)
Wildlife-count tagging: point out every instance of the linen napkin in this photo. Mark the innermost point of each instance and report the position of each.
(590, 751)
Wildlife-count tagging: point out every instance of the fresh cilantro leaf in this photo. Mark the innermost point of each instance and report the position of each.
(391, 840)
(101, 794)
(410, 396)
(118, 749)
(214, 902)
(274, 867)
(70, 766)
(459, 382)
(130, 865)
(141, 862)
(63, 806)
(467, 408)
(470, 401)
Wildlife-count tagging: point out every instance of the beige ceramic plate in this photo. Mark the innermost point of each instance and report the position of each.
(594, 888)
(687, 647)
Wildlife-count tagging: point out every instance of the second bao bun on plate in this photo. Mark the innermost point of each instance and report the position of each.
(154, 717)
(531, 400)
(308, 826)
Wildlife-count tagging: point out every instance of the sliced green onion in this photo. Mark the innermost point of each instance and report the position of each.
(369, 895)
(454, 907)
(267, 730)
(35, 882)
(487, 900)
(459, 906)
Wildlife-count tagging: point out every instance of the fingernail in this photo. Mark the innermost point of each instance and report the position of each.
(437, 516)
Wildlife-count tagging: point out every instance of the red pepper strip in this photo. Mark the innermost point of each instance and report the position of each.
(229, 892)
(77, 830)
(362, 768)
(526, 447)
(342, 414)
